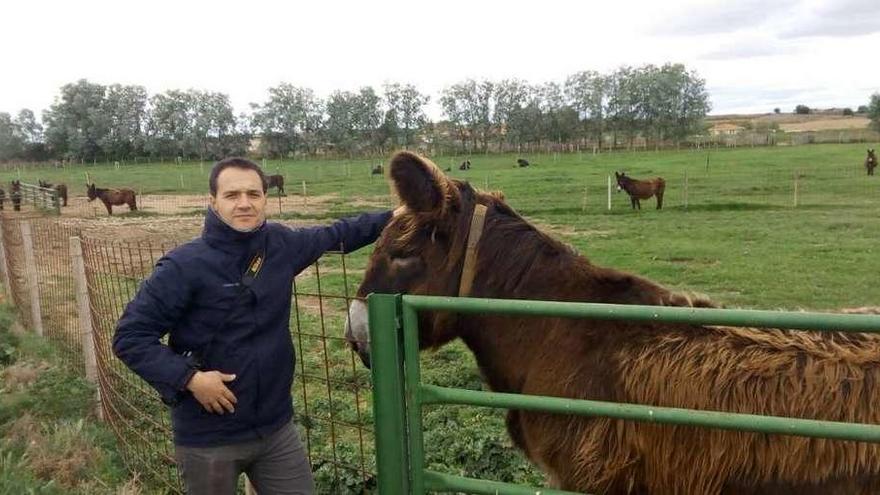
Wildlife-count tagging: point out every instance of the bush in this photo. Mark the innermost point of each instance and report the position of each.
(802, 110)
(777, 110)
(847, 111)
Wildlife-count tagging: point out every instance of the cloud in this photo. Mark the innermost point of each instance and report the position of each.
(838, 18)
(749, 48)
(721, 17)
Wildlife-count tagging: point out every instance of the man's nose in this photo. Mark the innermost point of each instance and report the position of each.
(243, 202)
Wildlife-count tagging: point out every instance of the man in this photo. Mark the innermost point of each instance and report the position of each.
(228, 366)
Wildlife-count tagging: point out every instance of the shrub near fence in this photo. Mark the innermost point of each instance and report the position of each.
(331, 390)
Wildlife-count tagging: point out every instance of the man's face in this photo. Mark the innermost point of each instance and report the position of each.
(240, 199)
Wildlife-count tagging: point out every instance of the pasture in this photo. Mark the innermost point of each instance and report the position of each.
(730, 230)
(739, 240)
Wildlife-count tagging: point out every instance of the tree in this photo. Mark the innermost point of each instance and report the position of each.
(802, 110)
(11, 142)
(777, 110)
(406, 104)
(289, 121)
(170, 124)
(586, 92)
(76, 123)
(874, 111)
(31, 134)
(848, 111)
(125, 111)
(862, 109)
(510, 97)
(559, 121)
(468, 106)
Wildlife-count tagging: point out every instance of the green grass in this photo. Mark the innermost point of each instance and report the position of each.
(50, 442)
(739, 240)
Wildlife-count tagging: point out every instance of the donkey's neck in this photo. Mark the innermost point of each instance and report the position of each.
(517, 261)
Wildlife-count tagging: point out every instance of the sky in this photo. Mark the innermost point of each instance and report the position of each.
(754, 55)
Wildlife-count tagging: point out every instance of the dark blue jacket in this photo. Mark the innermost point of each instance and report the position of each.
(194, 289)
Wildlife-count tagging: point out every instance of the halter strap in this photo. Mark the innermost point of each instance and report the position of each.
(470, 256)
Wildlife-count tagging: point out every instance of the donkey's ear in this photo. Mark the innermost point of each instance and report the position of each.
(419, 183)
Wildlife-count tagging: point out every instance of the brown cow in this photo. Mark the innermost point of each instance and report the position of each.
(112, 197)
(641, 189)
(828, 376)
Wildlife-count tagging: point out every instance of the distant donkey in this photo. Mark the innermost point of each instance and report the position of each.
(871, 161)
(112, 197)
(377, 170)
(275, 181)
(60, 188)
(15, 192)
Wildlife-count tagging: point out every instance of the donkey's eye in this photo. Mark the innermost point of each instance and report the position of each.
(406, 265)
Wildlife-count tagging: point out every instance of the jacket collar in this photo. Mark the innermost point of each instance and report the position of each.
(219, 235)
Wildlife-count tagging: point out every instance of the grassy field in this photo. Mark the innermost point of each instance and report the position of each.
(767, 228)
(730, 230)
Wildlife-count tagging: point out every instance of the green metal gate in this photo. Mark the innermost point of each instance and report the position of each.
(399, 394)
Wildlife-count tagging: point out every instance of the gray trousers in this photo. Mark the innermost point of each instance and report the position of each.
(276, 465)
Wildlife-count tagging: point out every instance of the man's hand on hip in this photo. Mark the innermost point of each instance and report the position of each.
(209, 388)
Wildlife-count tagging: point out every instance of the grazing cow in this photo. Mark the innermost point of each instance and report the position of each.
(827, 376)
(871, 162)
(112, 197)
(522, 162)
(61, 189)
(275, 181)
(465, 165)
(641, 189)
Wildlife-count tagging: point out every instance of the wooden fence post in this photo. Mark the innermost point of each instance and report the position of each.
(32, 278)
(4, 268)
(85, 318)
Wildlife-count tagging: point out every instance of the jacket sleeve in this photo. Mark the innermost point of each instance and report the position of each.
(348, 234)
(156, 308)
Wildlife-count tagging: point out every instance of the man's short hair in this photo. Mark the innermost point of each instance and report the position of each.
(237, 162)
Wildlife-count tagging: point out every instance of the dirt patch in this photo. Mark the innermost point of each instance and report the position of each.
(827, 124)
(21, 375)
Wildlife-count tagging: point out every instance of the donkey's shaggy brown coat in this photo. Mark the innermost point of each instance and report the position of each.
(830, 376)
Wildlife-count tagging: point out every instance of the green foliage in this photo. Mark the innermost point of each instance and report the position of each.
(802, 110)
(874, 111)
(49, 442)
(848, 112)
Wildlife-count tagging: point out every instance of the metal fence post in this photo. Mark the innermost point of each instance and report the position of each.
(386, 357)
(32, 278)
(85, 318)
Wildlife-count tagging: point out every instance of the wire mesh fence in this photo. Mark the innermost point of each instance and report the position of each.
(56, 289)
(331, 390)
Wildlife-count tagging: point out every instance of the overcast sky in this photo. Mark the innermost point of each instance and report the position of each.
(754, 54)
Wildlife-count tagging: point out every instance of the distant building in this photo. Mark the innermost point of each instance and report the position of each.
(725, 128)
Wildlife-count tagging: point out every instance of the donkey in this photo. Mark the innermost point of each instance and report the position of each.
(275, 181)
(60, 188)
(465, 165)
(641, 189)
(871, 162)
(112, 197)
(377, 170)
(15, 194)
(522, 162)
(827, 376)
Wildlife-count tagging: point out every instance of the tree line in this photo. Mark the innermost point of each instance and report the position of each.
(90, 121)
